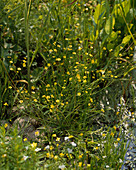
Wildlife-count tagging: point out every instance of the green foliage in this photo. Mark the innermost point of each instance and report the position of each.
(14, 153)
(69, 65)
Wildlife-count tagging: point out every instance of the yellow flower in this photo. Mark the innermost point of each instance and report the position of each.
(114, 127)
(57, 101)
(104, 48)
(91, 100)
(5, 104)
(52, 96)
(47, 97)
(102, 110)
(20, 101)
(80, 164)
(78, 76)
(84, 81)
(24, 64)
(51, 147)
(79, 94)
(118, 139)
(88, 165)
(25, 139)
(55, 157)
(71, 136)
(92, 61)
(35, 100)
(34, 145)
(103, 134)
(58, 139)
(80, 156)
(54, 135)
(41, 17)
(61, 154)
(37, 133)
(4, 155)
(32, 87)
(112, 134)
(58, 46)
(6, 125)
(96, 148)
(81, 134)
(117, 113)
(58, 59)
(48, 155)
(52, 106)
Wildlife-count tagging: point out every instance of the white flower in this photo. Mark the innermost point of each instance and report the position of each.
(116, 145)
(107, 166)
(66, 138)
(47, 147)
(26, 147)
(25, 158)
(37, 149)
(104, 156)
(73, 144)
(62, 166)
(120, 161)
(69, 150)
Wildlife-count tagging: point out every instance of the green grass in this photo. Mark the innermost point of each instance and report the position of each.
(68, 67)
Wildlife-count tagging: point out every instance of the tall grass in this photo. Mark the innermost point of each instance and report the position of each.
(27, 13)
(79, 62)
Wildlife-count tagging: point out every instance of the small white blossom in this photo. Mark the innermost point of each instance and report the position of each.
(66, 138)
(120, 161)
(25, 158)
(115, 144)
(107, 166)
(37, 149)
(62, 166)
(69, 150)
(73, 144)
(26, 147)
(104, 156)
(47, 147)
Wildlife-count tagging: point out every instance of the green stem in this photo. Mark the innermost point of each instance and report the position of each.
(27, 10)
(0, 78)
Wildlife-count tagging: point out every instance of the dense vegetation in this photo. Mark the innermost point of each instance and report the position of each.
(70, 66)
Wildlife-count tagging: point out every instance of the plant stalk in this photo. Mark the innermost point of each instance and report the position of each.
(27, 10)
